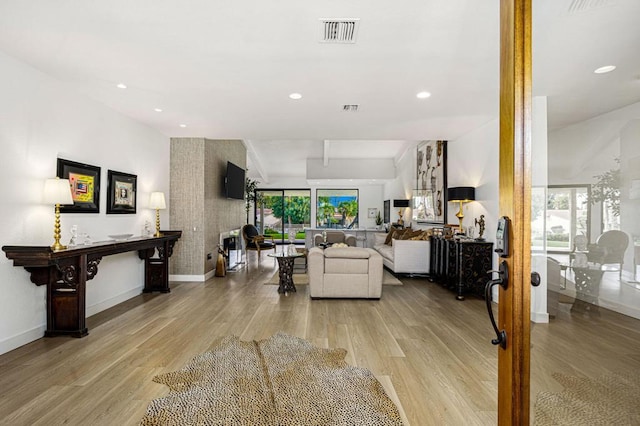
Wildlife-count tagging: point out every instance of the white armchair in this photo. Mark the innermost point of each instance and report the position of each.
(345, 272)
(334, 236)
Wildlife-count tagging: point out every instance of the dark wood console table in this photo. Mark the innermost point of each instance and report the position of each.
(461, 265)
(66, 272)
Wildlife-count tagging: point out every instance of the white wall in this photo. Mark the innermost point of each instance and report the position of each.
(42, 120)
(404, 184)
(473, 161)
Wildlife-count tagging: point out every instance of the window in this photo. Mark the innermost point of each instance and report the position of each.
(280, 210)
(567, 215)
(337, 208)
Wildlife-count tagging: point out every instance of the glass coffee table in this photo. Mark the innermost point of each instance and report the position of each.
(285, 270)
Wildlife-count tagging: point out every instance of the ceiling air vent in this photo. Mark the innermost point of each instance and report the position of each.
(342, 30)
(350, 108)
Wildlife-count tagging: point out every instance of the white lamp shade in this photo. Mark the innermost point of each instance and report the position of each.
(156, 201)
(57, 191)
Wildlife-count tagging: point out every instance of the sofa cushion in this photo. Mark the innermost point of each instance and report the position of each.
(385, 251)
(378, 238)
(347, 252)
(345, 266)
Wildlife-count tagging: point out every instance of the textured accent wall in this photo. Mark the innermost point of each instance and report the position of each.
(221, 214)
(198, 205)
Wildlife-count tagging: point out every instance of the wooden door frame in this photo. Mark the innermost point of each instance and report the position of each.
(515, 203)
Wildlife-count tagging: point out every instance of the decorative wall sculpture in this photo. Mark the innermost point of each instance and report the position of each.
(429, 198)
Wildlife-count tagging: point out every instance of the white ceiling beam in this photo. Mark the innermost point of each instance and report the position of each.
(326, 153)
(255, 160)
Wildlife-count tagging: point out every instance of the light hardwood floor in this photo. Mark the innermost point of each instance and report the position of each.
(431, 352)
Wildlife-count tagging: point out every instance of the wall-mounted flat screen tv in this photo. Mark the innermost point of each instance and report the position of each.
(234, 182)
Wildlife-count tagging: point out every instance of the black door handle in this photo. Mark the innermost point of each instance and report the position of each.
(535, 279)
(502, 280)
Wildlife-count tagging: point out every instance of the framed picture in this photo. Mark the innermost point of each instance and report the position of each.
(84, 180)
(431, 183)
(121, 192)
(424, 204)
(387, 211)
(372, 213)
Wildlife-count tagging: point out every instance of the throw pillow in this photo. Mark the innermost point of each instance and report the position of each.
(397, 235)
(387, 240)
(411, 235)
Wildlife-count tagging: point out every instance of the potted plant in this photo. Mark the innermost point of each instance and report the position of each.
(607, 189)
(378, 220)
(250, 186)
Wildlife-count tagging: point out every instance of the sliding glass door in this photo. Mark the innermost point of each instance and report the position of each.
(283, 213)
(567, 216)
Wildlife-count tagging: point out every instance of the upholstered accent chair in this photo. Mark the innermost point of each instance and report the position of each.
(334, 237)
(345, 272)
(609, 248)
(254, 241)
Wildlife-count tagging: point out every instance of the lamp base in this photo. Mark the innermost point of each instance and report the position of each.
(57, 246)
(460, 216)
(158, 233)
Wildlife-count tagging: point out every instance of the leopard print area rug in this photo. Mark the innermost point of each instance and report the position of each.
(606, 400)
(283, 380)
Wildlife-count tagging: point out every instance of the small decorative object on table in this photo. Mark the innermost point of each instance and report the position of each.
(74, 236)
(146, 230)
(480, 224)
(378, 220)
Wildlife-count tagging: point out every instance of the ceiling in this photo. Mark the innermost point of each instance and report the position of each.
(225, 68)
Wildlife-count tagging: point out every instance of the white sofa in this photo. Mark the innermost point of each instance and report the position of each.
(345, 272)
(404, 256)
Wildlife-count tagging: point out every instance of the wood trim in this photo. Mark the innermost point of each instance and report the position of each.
(515, 202)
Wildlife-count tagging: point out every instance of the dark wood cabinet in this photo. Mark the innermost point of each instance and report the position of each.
(461, 265)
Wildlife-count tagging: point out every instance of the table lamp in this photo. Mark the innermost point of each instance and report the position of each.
(401, 204)
(57, 191)
(461, 194)
(156, 201)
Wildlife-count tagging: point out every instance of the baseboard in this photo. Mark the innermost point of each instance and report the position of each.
(192, 278)
(106, 304)
(22, 339)
(540, 317)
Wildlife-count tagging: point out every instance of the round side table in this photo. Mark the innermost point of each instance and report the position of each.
(285, 270)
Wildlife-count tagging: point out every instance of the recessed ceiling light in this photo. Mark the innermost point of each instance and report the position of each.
(157, 109)
(295, 96)
(183, 125)
(423, 95)
(121, 86)
(605, 69)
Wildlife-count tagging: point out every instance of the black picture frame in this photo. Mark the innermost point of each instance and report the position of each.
(387, 211)
(84, 180)
(121, 192)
